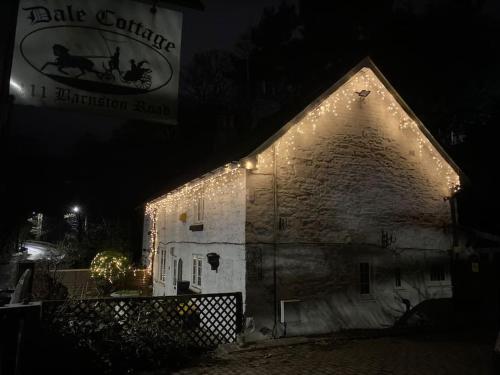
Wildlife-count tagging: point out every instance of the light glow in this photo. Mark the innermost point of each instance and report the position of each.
(343, 99)
(16, 86)
(365, 81)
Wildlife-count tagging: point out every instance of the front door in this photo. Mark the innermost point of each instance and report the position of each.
(179, 270)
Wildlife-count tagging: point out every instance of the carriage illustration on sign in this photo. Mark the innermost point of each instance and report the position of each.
(106, 71)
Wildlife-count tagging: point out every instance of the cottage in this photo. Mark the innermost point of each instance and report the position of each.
(343, 219)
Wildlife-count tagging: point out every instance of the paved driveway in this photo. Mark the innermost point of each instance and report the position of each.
(380, 356)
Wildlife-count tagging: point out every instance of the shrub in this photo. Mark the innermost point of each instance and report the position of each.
(115, 344)
(109, 268)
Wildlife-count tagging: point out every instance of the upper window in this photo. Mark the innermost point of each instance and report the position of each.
(438, 272)
(197, 270)
(199, 208)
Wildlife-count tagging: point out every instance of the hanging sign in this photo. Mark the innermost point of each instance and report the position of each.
(112, 56)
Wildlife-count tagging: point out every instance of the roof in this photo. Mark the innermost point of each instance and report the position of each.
(294, 118)
(367, 62)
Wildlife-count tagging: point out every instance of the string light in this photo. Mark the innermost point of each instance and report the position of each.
(227, 179)
(345, 98)
(109, 266)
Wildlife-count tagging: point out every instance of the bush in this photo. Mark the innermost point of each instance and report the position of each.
(112, 344)
(109, 269)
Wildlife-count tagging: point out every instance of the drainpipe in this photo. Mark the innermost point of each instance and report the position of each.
(275, 235)
(454, 219)
(454, 226)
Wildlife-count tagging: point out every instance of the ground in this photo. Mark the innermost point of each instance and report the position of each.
(416, 354)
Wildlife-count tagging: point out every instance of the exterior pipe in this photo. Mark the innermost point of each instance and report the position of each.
(275, 235)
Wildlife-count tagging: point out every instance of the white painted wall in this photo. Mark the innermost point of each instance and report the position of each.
(223, 233)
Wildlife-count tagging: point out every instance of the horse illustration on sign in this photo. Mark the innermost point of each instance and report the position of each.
(65, 60)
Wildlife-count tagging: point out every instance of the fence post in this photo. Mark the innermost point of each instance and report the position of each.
(20, 325)
(239, 312)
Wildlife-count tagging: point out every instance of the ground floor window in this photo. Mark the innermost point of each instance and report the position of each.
(197, 270)
(162, 265)
(437, 272)
(397, 277)
(364, 278)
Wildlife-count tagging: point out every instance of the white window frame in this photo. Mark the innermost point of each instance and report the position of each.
(174, 274)
(444, 280)
(162, 265)
(197, 271)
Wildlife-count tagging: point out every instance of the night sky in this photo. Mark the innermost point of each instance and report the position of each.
(441, 56)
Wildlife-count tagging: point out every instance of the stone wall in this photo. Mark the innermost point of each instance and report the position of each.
(354, 181)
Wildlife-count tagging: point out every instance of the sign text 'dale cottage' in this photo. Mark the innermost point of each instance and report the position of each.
(110, 56)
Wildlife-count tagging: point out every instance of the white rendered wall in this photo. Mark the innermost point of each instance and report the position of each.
(223, 233)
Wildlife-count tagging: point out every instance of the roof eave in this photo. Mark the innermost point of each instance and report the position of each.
(367, 62)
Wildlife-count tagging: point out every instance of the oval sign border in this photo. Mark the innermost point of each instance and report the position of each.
(104, 30)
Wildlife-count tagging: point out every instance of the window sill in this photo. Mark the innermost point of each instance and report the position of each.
(438, 283)
(195, 289)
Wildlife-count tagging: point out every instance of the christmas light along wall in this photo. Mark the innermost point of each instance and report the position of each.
(226, 180)
(355, 89)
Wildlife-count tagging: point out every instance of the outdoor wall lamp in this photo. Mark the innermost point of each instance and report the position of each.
(213, 260)
(363, 93)
(250, 162)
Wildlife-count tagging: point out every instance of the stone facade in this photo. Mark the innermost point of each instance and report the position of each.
(344, 213)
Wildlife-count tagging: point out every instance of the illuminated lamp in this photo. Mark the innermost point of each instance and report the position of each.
(250, 163)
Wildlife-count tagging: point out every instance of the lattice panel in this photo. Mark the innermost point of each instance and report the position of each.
(203, 320)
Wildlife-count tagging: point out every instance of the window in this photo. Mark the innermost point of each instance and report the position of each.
(162, 264)
(283, 223)
(437, 272)
(197, 267)
(397, 277)
(364, 278)
(199, 204)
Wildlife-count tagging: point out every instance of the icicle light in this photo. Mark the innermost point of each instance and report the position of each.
(344, 98)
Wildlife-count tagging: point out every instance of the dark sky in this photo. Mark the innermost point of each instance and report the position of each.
(446, 72)
(218, 26)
